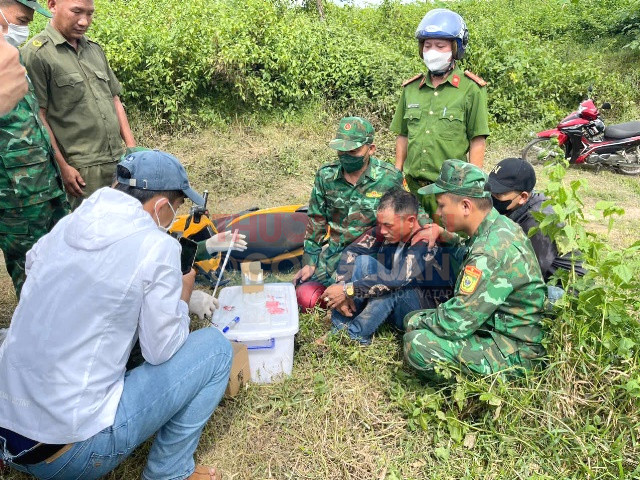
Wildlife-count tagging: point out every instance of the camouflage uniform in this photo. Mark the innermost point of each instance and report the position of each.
(494, 320)
(31, 198)
(347, 210)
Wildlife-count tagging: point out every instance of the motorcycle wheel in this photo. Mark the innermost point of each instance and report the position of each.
(540, 150)
(631, 168)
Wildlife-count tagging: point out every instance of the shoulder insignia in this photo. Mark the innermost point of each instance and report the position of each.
(470, 279)
(411, 80)
(475, 78)
(37, 42)
(405, 186)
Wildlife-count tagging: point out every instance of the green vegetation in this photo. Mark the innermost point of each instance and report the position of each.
(211, 60)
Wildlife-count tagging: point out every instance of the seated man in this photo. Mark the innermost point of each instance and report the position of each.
(344, 199)
(494, 320)
(512, 182)
(106, 275)
(381, 274)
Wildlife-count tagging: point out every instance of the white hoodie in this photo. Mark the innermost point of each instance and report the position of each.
(103, 276)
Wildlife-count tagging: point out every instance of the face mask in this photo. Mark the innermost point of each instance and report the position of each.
(16, 34)
(501, 205)
(351, 163)
(437, 62)
(164, 229)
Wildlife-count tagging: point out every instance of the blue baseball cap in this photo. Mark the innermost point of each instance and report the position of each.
(159, 171)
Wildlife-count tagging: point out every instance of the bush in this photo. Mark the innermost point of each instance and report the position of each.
(179, 59)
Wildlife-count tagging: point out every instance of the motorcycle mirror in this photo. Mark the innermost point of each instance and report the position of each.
(590, 89)
(606, 106)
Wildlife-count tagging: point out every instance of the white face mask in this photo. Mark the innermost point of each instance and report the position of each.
(164, 229)
(437, 62)
(16, 34)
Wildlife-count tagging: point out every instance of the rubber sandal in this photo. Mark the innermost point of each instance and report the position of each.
(203, 472)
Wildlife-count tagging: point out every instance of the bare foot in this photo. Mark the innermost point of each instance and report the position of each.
(205, 473)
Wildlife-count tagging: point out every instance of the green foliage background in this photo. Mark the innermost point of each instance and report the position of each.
(208, 60)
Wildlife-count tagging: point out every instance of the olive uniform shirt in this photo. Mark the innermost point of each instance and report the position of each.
(76, 88)
(439, 122)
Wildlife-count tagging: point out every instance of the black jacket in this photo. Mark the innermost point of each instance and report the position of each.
(545, 248)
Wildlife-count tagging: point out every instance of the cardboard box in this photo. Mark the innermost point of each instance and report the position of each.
(252, 277)
(240, 373)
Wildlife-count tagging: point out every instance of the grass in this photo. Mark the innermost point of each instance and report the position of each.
(354, 412)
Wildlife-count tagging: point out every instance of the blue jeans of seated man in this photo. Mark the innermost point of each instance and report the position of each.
(373, 312)
(174, 399)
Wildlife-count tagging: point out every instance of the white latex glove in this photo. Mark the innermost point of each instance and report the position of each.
(221, 241)
(202, 304)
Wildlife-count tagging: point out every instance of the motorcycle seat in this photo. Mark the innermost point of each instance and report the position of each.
(622, 130)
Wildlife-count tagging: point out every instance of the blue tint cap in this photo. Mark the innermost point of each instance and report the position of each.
(159, 171)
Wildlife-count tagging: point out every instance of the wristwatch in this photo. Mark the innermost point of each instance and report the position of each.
(348, 290)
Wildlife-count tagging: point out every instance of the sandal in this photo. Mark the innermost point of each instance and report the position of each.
(203, 472)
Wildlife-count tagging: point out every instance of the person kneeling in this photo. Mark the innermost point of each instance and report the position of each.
(106, 275)
(380, 275)
(493, 323)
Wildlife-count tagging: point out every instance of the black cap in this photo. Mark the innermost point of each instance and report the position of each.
(512, 174)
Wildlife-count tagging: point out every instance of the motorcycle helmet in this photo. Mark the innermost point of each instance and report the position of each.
(309, 294)
(443, 23)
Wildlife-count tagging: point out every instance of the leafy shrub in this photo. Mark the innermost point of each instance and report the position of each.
(178, 59)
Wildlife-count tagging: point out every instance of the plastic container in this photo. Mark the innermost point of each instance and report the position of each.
(267, 326)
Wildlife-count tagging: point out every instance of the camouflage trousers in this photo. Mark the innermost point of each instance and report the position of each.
(95, 177)
(478, 354)
(327, 265)
(20, 229)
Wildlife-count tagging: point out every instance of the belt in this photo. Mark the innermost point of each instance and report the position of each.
(40, 453)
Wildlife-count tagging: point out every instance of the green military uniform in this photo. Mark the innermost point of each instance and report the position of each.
(77, 89)
(494, 320)
(439, 124)
(346, 210)
(31, 197)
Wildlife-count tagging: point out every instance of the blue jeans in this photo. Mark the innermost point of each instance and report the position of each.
(373, 312)
(174, 399)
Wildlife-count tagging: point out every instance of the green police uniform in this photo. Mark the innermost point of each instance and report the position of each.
(494, 321)
(346, 210)
(31, 198)
(439, 124)
(77, 88)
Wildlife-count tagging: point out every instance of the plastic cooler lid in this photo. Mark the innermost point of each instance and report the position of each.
(262, 316)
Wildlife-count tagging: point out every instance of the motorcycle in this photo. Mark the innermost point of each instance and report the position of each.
(275, 237)
(585, 140)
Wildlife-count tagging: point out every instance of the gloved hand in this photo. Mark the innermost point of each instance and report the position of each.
(221, 241)
(202, 304)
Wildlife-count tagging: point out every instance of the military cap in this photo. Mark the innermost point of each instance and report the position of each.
(34, 5)
(460, 178)
(353, 132)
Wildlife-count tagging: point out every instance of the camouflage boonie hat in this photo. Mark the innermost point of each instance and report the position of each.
(460, 178)
(34, 5)
(353, 132)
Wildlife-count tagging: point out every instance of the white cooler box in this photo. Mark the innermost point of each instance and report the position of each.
(268, 323)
